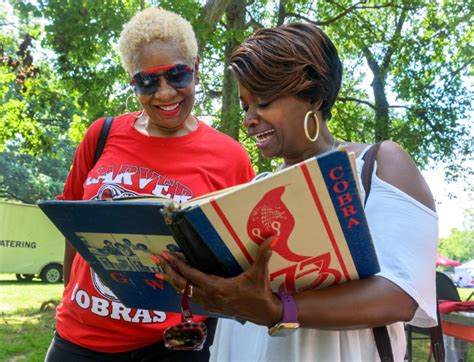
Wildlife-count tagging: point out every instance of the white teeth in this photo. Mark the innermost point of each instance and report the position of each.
(264, 135)
(169, 108)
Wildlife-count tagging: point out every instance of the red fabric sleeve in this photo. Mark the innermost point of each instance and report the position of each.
(83, 159)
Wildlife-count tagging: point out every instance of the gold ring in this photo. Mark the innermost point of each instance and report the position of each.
(190, 290)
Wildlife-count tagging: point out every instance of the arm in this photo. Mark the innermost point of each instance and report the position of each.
(69, 254)
(374, 301)
(364, 303)
(73, 187)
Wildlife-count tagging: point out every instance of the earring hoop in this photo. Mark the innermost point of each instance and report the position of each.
(316, 123)
(128, 111)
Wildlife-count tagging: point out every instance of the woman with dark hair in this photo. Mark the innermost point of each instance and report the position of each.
(289, 78)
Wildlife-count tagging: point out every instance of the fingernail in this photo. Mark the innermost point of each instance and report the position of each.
(274, 241)
(165, 255)
(159, 276)
(155, 259)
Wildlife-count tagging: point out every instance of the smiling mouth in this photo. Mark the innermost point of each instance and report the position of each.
(263, 136)
(168, 108)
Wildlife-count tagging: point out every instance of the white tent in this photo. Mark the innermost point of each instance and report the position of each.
(464, 274)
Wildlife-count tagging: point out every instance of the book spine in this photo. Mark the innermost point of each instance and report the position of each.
(197, 253)
(341, 184)
(214, 242)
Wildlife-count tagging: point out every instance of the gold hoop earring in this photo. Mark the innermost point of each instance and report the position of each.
(128, 111)
(316, 123)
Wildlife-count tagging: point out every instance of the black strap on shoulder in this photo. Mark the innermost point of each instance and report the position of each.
(102, 138)
(382, 339)
(381, 336)
(368, 168)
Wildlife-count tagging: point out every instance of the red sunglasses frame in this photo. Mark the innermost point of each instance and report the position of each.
(159, 69)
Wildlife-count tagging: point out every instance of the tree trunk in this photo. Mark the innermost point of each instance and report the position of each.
(210, 15)
(230, 115)
(382, 118)
(281, 12)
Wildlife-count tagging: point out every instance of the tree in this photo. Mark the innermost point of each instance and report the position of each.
(28, 178)
(36, 116)
(416, 54)
(459, 245)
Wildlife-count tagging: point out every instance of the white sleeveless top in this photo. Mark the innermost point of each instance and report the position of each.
(406, 250)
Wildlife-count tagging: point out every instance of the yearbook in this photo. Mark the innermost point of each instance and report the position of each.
(314, 208)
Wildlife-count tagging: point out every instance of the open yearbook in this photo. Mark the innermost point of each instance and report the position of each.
(313, 207)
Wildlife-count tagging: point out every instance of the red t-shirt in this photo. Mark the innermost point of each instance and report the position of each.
(133, 163)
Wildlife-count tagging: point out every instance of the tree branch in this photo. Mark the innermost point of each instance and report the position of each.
(213, 11)
(254, 24)
(352, 99)
(394, 41)
(453, 75)
(327, 21)
(364, 23)
(400, 106)
(210, 15)
(281, 12)
(374, 67)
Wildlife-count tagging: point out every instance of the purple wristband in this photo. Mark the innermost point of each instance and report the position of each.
(290, 312)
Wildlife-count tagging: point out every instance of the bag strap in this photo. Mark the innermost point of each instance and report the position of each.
(382, 339)
(437, 342)
(368, 168)
(104, 132)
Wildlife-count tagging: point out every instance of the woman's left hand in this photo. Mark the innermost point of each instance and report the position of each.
(247, 296)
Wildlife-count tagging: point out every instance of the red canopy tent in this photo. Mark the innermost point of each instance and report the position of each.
(446, 262)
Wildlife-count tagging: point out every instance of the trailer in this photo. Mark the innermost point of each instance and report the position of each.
(30, 245)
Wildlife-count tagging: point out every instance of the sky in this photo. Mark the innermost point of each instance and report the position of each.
(451, 211)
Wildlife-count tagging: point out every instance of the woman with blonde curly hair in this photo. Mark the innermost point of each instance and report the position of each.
(163, 150)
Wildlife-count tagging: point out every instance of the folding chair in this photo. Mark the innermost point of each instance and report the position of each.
(445, 290)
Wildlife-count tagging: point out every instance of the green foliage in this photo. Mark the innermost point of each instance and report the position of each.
(459, 245)
(82, 34)
(421, 53)
(31, 178)
(406, 64)
(35, 116)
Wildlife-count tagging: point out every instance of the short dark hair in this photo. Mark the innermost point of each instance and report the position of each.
(292, 59)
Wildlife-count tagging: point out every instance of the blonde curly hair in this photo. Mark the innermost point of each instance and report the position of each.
(151, 25)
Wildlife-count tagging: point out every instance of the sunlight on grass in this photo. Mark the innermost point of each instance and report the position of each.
(26, 330)
(464, 293)
(23, 295)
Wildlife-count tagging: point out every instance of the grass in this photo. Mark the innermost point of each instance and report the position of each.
(464, 293)
(27, 320)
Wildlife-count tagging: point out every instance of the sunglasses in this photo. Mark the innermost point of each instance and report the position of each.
(187, 335)
(177, 76)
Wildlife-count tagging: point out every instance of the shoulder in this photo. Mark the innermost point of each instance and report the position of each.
(220, 139)
(396, 167)
(118, 121)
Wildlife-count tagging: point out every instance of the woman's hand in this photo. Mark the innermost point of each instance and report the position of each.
(247, 296)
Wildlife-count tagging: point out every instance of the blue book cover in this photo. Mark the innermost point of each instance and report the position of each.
(313, 207)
